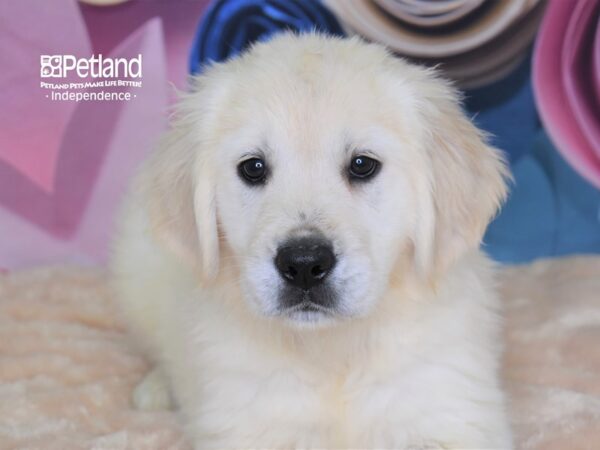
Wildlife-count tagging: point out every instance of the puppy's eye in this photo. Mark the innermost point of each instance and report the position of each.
(253, 170)
(362, 168)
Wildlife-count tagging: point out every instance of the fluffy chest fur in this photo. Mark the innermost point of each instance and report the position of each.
(419, 375)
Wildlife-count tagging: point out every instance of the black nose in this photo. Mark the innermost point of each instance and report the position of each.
(305, 262)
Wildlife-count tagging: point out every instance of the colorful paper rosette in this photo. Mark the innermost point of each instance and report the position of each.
(566, 77)
(474, 42)
(230, 26)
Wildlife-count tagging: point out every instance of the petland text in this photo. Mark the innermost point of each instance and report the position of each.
(97, 66)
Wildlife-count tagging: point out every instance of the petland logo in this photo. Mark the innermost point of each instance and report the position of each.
(68, 78)
(60, 66)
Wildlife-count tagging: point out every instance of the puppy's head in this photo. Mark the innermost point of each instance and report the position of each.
(310, 167)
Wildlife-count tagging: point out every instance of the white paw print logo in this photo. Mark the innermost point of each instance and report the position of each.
(50, 66)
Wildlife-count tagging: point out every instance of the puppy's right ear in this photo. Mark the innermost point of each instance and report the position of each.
(468, 180)
(177, 189)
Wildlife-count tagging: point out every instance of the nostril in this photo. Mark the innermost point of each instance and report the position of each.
(290, 273)
(317, 272)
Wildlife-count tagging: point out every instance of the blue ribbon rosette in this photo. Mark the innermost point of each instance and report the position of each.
(229, 26)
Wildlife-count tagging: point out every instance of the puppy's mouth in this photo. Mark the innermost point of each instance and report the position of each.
(308, 306)
(308, 314)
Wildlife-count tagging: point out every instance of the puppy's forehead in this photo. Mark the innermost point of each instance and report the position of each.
(306, 91)
(311, 74)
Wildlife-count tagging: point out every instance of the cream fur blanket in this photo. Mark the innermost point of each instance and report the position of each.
(67, 369)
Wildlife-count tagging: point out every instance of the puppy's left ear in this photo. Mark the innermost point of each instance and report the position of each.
(205, 213)
(467, 186)
(178, 182)
(177, 190)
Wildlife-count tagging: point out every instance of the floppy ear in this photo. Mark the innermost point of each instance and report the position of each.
(177, 188)
(467, 186)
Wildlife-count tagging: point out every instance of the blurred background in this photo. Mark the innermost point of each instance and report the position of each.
(529, 70)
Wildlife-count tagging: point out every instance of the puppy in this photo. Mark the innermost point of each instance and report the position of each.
(300, 257)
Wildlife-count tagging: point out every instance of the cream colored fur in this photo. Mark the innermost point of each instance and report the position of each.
(413, 361)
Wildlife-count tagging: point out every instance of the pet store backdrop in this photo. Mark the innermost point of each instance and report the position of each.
(530, 71)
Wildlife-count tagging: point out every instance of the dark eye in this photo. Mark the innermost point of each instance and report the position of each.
(362, 167)
(253, 170)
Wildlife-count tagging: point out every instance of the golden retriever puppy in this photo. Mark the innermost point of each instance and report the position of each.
(300, 257)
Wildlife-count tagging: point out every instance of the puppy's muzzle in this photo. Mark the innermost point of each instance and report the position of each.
(305, 262)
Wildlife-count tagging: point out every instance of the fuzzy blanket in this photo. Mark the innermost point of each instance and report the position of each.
(67, 369)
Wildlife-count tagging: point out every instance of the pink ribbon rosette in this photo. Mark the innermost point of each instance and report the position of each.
(566, 77)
